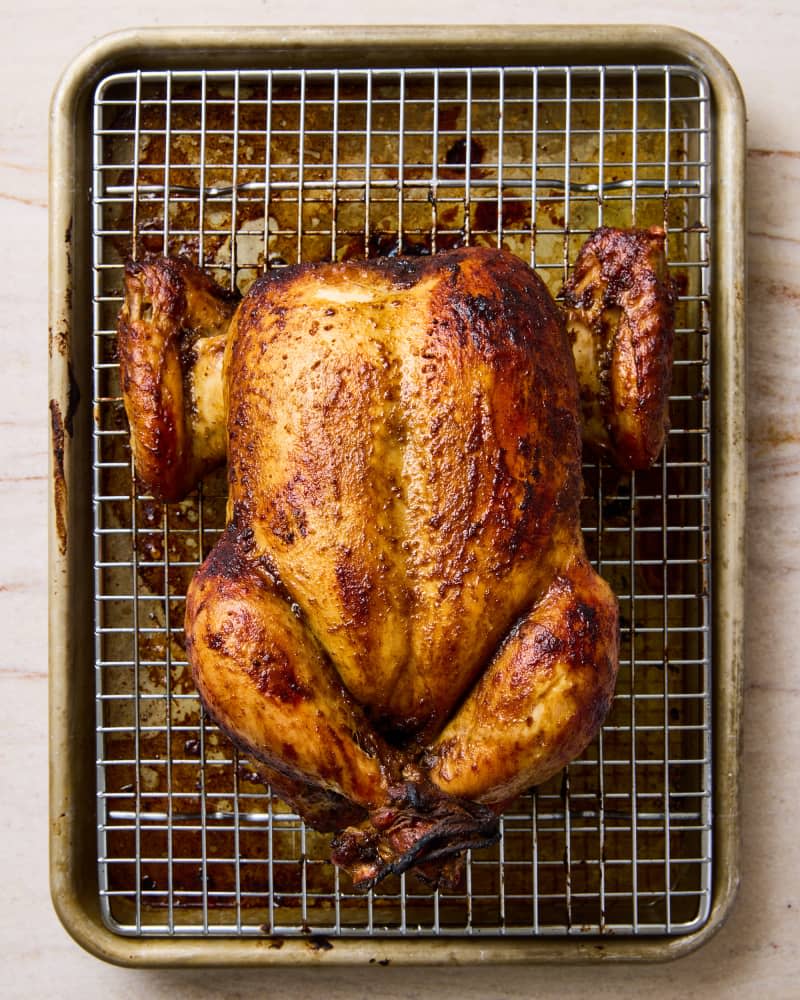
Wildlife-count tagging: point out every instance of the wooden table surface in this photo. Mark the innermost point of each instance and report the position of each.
(757, 952)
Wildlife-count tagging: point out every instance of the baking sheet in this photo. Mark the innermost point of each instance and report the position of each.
(622, 846)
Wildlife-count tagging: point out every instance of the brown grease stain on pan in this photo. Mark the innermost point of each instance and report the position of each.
(59, 481)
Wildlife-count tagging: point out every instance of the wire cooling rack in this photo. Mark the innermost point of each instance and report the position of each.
(250, 170)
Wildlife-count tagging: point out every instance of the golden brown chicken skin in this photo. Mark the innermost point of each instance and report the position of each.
(402, 443)
(171, 339)
(620, 318)
(175, 322)
(400, 624)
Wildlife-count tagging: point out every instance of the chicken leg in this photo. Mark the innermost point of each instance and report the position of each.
(540, 701)
(262, 676)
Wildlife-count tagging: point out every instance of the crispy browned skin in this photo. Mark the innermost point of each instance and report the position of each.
(262, 675)
(541, 699)
(404, 566)
(174, 327)
(171, 341)
(403, 441)
(620, 317)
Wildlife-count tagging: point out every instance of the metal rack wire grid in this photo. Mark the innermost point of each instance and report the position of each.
(246, 171)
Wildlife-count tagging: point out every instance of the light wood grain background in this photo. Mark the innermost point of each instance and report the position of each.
(757, 952)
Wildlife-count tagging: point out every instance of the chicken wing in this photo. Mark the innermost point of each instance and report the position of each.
(620, 318)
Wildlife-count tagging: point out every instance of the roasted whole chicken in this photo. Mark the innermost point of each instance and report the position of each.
(400, 625)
